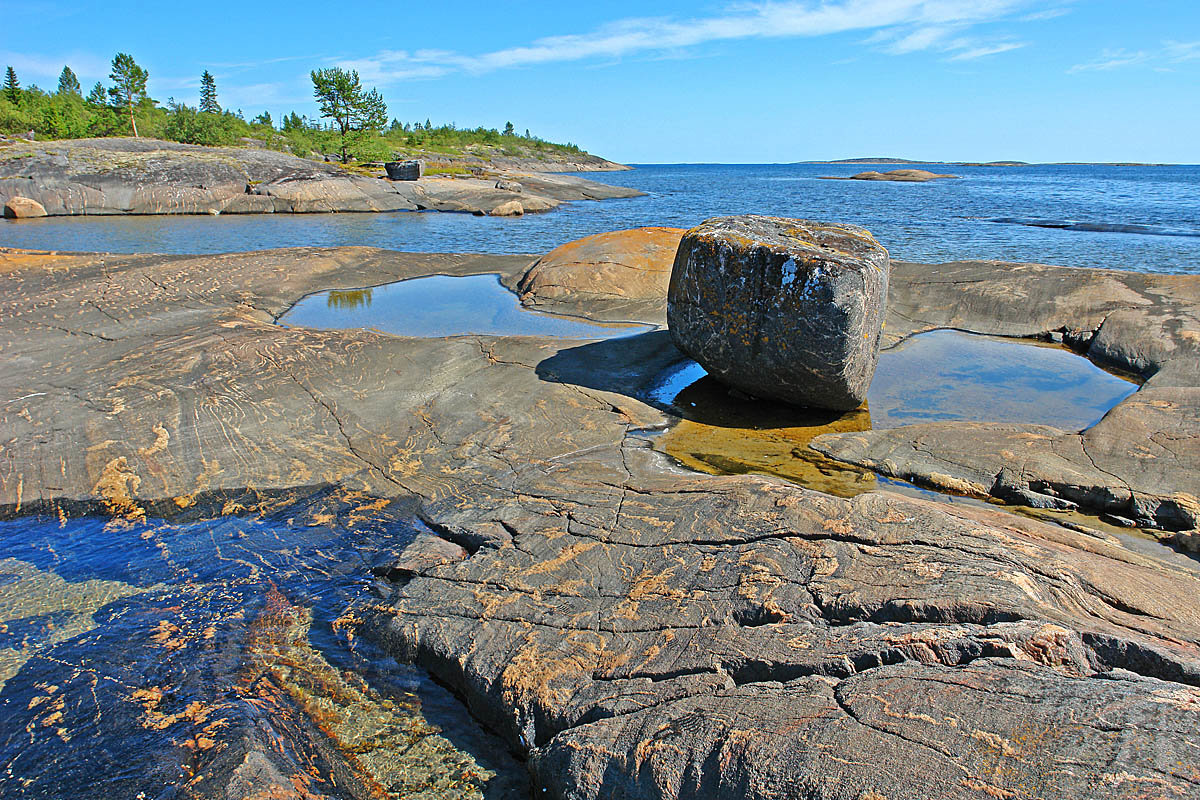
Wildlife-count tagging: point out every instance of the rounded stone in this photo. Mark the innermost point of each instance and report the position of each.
(23, 208)
(617, 265)
(787, 309)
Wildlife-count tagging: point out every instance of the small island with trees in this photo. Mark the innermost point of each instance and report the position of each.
(354, 125)
(118, 151)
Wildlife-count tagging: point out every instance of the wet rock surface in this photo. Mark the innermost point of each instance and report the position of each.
(637, 631)
(1140, 462)
(781, 308)
(147, 176)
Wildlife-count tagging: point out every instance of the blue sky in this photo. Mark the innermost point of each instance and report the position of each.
(751, 82)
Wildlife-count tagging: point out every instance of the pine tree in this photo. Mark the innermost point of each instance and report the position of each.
(356, 113)
(208, 94)
(509, 130)
(68, 83)
(97, 96)
(130, 84)
(12, 87)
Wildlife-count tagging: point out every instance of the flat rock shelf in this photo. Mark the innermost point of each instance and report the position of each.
(625, 628)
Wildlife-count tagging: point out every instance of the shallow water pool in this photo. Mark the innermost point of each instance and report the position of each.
(937, 376)
(441, 305)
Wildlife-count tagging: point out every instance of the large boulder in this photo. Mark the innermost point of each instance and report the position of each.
(786, 309)
(632, 264)
(23, 208)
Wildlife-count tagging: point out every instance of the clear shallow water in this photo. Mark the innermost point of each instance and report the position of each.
(133, 655)
(937, 221)
(947, 375)
(441, 305)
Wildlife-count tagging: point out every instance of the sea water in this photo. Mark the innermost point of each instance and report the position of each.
(1141, 218)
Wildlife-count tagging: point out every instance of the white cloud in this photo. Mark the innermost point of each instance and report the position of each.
(1050, 13)
(1182, 51)
(986, 50)
(906, 26)
(1169, 53)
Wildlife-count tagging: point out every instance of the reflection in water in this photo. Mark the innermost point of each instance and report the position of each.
(349, 298)
(724, 432)
(440, 305)
(941, 375)
(222, 657)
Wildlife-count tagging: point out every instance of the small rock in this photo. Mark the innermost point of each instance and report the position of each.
(898, 175)
(512, 208)
(423, 553)
(23, 208)
(784, 309)
(510, 186)
(1188, 541)
(403, 170)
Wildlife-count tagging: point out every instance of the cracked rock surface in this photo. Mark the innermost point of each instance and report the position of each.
(636, 630)
(1140, 463)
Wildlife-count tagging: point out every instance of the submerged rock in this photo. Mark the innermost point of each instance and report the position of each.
(781, 308)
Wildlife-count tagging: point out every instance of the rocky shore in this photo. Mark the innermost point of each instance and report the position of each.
(633, 629)
(147, 176)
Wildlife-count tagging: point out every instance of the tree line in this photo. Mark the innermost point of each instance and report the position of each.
(353, 122)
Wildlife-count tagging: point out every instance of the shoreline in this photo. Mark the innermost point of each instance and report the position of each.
(102, 177)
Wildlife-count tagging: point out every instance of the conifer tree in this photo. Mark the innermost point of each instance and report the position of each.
(208, 94)
(356, 113)
(97, 96)
(129, 84)
(68, 83)
(12, 87)
(508, 129)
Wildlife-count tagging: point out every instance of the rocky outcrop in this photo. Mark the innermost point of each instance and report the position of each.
(780, 308)
(622, 268)
(23, 208)
(898, 175)
(145, 176)
(637, 631)
(510, 208)
(1140, 464)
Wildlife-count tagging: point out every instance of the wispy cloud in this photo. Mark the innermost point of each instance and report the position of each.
(986, 50)
(1170, 52)
(1112, 59)
(902, 26)
(33, 67)
(1050, 13)
(1177, 52)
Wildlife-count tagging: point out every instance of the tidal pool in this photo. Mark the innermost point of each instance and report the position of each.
(441, 305)
(139, 655)
(936, 376)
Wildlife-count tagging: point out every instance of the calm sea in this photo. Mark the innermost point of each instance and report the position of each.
(1132, 218)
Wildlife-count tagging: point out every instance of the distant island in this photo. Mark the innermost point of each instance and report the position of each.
(989, 163)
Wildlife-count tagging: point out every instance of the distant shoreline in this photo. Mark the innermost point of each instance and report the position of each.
(996, 163)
